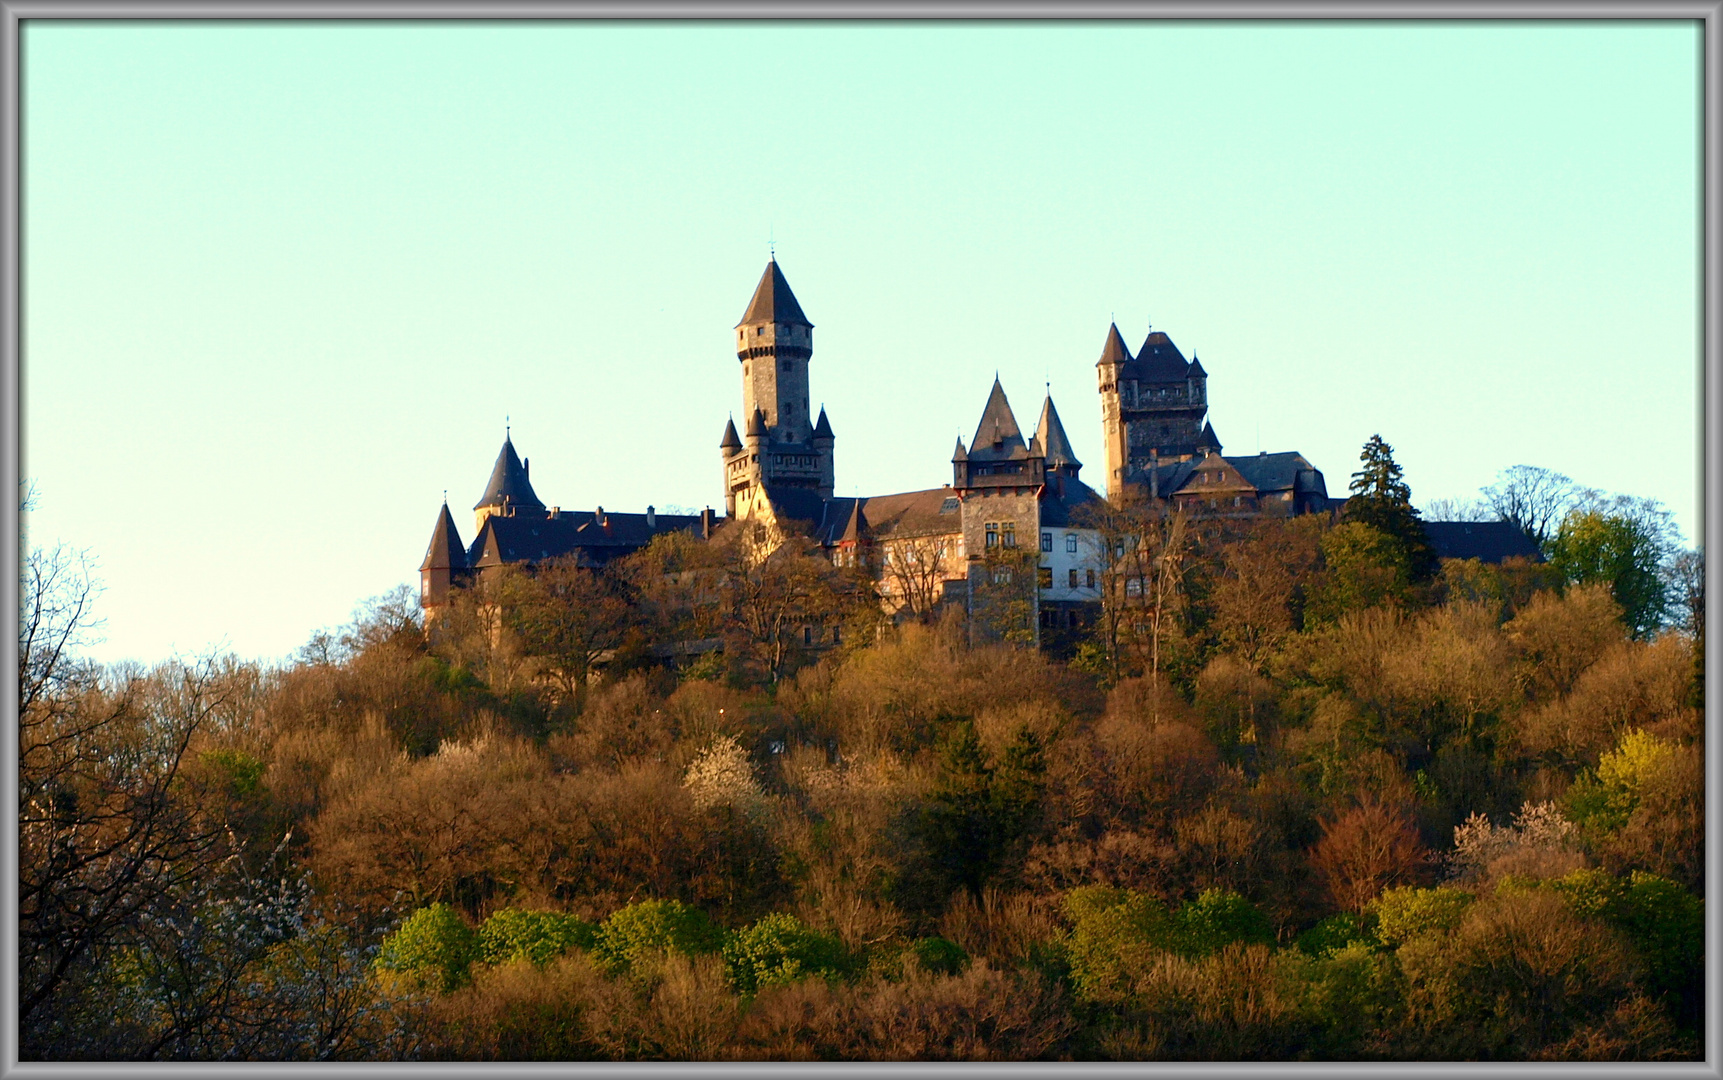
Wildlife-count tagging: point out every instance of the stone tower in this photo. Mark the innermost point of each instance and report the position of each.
(1152, 408)
(781, 445)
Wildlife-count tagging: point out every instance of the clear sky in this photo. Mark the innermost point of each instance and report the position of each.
(282, 283)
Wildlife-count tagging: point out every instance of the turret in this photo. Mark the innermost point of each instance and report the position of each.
(824, 441)
(445, 559)
(774, 342)
(509, 491)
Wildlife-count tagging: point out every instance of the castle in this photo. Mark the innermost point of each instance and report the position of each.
(1013, 504)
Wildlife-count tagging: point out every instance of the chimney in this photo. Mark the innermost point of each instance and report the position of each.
(598, 516)
(555, 513)
(1154, 472)
(706, 523)
(651, 518)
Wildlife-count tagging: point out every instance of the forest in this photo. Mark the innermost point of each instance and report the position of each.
(1301, 791)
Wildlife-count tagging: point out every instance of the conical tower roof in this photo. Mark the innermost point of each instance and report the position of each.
(731, 441)
(773, 301)
(1209, 438)
(1052, 435)
(856, 527)
(961, 454)
(509, 481)
(1114, 351)
(446, 550)
(1196, 370)
(823, 428)
(997, 431)
(756, 422)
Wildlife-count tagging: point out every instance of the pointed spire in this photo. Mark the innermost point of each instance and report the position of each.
(731, 442)
(773, 301)
(961, 454)
(1052, 435)
(1208, 437)
(823, 428)
(509, 481)
(756, 422)
(1114, 351)
(446, 550)
(1196, 369)
(998, 428)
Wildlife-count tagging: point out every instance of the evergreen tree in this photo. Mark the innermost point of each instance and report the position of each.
(1382, 500)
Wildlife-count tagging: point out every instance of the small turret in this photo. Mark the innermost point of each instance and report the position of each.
(731, 443)
(445, 558)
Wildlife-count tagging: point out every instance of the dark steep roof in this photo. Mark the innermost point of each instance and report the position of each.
(1062, 502)
(536, 537)
(1287, 471)
(1488, 541)
(1053, 441)
(997, 436)
(1159, 360)
(509, 481)
(1208, 437)
(731, 440)
(1114, 351)
(446, 549)
(823, 427)
(1196, 371)
(773, 301)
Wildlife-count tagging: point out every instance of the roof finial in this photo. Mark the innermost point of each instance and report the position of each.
(505, 427)
(445, 496)
(771, 242)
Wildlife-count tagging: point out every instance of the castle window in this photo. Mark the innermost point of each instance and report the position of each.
(992, 534)
(1046, 541)
(1044, 578)
(1090, 575)
(1001, 575)
(1009, 534)
(1071, 545)
(1072, 580)
(807, 635)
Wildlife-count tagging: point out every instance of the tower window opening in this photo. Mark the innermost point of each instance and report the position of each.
(1008, 534)
(992, 534)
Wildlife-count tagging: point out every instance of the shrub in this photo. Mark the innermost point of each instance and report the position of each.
(1405, 913)
(939, 956)
(538, 936)
(649, 928)
(1216, 919)
(780, 949)
(434, 944)
(1337, 932)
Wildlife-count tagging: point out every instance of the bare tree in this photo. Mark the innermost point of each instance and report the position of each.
(914, 570)
(1144, 546)
(1534, 499)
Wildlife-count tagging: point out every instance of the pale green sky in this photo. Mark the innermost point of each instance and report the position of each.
(284, 281)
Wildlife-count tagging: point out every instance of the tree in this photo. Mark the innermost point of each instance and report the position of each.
(1369, 847)
(1534, 499)
(1626, 545)
(782, 591)
(1382, 500)
(1145, 545)
(567, 617)
(914, 572)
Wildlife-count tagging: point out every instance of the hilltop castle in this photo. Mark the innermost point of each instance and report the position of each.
(1012, 504)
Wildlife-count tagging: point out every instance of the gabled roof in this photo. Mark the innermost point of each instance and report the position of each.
(1488, 541)
(1051, 434)
(997, 436)
(446, 550)
(731, 440)
(773, 301)
(1114, 351)
(823, 427)
(509, 480)
(855, 528)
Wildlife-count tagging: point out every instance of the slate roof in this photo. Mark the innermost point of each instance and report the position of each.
(731, 440)
(1288, 471)
(1488, 541)
(997, 437)
(1196, 370)
(1208, 437)
(1062, 500)
(1114, 351)
(535, 537)
(799, 504)
(509, 480)
(446, 549)
(908, 513)
(773, 301)
(823, 427)
(1051, 435)
(1159, 360)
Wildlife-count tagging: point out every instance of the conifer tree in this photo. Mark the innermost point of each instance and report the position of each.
(1382, 500)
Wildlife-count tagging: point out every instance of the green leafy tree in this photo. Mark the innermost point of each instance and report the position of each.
(1408, 912)
(780, 949)
(1624, 546)
(1216, 919)
(434, 944)
(650, 928)
(974, 823)
(1382, 500)
(537, 936)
